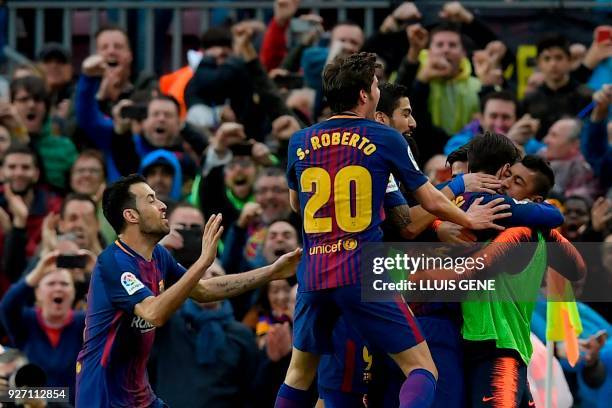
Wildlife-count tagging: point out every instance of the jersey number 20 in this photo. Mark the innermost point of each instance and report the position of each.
(347, 220)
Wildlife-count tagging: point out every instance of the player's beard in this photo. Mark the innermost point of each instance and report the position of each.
(156, 232)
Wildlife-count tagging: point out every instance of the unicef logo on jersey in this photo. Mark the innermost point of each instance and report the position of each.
(141, 324)
(348, 244)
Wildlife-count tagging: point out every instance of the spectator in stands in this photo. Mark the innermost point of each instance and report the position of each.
(78, 217)
(245, 237)
(113, 45)
(203, 357)
(577, 217)
(31, 101)
(280, 237)
(185, 237)
(559, 95)
(226, 188)
(594, 140)
(162, 171)
(573, 175)
(51, 333)
(274, 44)
(56, 63)
(161, 128)
(5, 143)
(23, 198)
(88, 176)
(443, 77)
(346, 38)
(499, 111)
(272, 318)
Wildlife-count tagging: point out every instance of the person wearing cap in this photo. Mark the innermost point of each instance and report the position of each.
(162, 171)
(56, 63)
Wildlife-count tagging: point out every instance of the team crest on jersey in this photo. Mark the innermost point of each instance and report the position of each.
(459, 201)
(391, 185)
(130, 283)
(78, 367)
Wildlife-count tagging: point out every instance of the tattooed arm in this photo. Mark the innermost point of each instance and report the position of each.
(158, 309)
(399, 219)
(222, 287)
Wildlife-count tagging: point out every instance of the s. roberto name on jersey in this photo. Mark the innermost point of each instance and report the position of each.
(337, 139)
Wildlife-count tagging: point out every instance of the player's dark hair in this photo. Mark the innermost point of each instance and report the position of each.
(545, 177)
(554, 41)
(390, 95)
(458, 155)
(498, 95)
(488, 152)
(344, 78)
(117, 197)
(76, 197)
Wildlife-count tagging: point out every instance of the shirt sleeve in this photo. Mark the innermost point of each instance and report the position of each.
(393, 196)
(403, 165)
(291, 175)
(524, 213)
(122, 282)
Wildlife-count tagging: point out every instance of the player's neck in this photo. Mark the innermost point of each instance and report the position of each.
(141, 243)
(358, 111)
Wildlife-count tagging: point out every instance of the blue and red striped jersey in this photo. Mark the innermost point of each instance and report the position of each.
(111, 367)
(340, 169)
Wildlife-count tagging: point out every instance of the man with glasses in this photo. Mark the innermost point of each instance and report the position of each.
(245, 238)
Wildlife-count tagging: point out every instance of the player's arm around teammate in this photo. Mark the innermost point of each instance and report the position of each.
(158, 309)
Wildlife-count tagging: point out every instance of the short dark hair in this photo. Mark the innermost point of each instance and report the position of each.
(498, 95)
(545, 177)
(76, 197)
(554, 41)
(390, 94)
(445, 27)
(163, 97)
(34, 86)
(488, 152)
(216, 37)
(117, 197)
(18, 148)
(184, 204)
(113, 27)
(91, 154)
(345, 77)
(458, 155)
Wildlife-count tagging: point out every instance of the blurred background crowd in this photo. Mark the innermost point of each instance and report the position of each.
(211, 136)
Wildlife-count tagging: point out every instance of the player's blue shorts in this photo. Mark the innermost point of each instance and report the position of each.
(386, 326)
